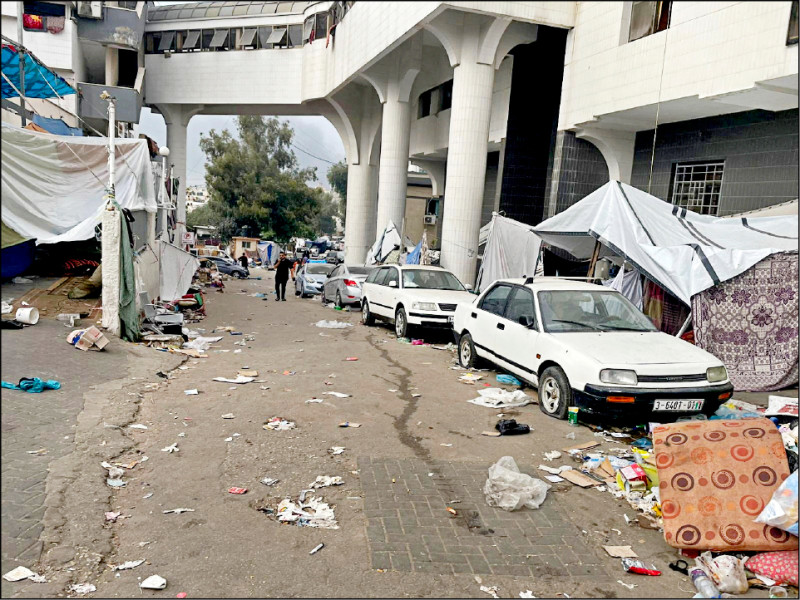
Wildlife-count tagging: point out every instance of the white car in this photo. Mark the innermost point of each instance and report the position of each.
(585, 345)
(411, 295)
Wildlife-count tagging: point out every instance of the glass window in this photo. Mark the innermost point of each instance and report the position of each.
(172, 14)
(578, 310)
(226, 11)
(520, 305)
(495, 300)
(254, 9)
(392, 277)
(697, 186)
(360, 270)
(284, 7)
(295, 35)
(373, 276)
(383, 273)
(191, 41)
(166, 41)
(207, 36)
(308, 26)
(317, 269)
(321, 27)
(213, 11)
(431, 279)
(186, 13)
(268, 8)
(240, 10)
(263, 36)
(199, 12)
(219, 39)
(791, 37)
(277, 37)
(424, 108)
(648, 18)
(446, 95)
(248, 37)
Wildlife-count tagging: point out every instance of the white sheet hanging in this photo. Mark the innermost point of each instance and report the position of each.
(177, 268)
(629, 284)
(512, 250)
(53, 185)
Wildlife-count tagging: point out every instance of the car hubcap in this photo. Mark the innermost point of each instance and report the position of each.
(466, 354)
(400, 326)
(365, 313)
(550, 394)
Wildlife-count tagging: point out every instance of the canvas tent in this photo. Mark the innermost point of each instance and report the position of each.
(53, 186)
(384, 245)
(512, 250)
(683, 252)
(268, 253)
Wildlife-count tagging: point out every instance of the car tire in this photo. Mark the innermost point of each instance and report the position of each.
(555, 393)
(367, 317)
(338, 300)
(401, 326)
(466, 352)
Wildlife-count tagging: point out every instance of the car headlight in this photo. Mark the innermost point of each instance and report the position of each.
(715, 374)
(423, 306)
(619, 376)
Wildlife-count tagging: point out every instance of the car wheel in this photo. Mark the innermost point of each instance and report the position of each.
(401, 323)
(367, 317)
(338, 299)
(466, 352)
(555, 393)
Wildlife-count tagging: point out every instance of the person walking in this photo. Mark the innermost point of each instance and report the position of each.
(283, 268)
(243, 260)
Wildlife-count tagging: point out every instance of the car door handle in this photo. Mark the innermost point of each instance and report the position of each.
(501, 326)
(474, 315)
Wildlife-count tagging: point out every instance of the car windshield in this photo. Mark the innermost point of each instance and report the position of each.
(358, 270)
(319, 269)
(431, 279)
(579, 310)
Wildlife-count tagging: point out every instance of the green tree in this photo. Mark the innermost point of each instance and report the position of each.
(337, 177)
(255, 183)
(329, 210)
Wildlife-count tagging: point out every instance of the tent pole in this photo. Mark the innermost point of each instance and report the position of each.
(21, 57)
(593, 261)
(685, 325)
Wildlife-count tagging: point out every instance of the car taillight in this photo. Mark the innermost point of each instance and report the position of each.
(350, 283)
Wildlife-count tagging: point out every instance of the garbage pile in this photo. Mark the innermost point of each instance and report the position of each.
(164, 327)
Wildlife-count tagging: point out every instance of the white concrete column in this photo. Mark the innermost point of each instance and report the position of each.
(466, 167)
(360, 213)
(176, 142)
(617, 147)
(109, 248)
(112, 66)
(393, 177)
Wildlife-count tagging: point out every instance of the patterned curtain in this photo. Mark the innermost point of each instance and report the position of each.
(750, 323)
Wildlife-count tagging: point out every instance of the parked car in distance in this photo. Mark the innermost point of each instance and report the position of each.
(334, 257)
(228, 266)
(411, 295)
(310, 277)
(343, 285)
(585, 345)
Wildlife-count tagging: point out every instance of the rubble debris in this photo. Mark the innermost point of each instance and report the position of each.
(492, 591)
(349, 424)
(499, 398)
(172, 448)
(177, 511)
(326, 481)
(154, 582)
(309, 513)
(18, 574)
(82, 588)
(131, 564)
(335, 450)
(269, 481)
(337, 394)
(279, 424)
(239, 379)
(509, 489)
(333, 324)
(317, 549)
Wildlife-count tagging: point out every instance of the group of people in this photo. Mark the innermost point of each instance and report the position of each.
(284, 267)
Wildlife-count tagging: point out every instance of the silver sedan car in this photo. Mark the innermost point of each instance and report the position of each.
(310, 278)
(343, 285)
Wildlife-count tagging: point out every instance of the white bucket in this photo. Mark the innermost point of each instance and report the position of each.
(28, 315)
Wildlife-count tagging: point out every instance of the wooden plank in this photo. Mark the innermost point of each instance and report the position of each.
(58, 283)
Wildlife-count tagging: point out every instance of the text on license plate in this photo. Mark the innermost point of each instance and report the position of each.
(678, 405)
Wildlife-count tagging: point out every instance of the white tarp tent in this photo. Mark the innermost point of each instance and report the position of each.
(384, 244)
(53, 186)
(682, 251)
(177, 269)
(268, 253)
(512, 250)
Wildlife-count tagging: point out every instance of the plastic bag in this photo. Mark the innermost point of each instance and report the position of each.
(781, 512)
(509, 489)
(726, 571)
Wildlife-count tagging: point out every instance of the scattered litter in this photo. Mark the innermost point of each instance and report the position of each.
(492, 591)
(33, 385)
(18, 574)
(82, 588)
(508, 380)
(570, 435)
(349, 424)
(278, 424)
(509, 489)
(333, 324)
(237, 490)
(630, 586)
(336, 450)
(146, 496)
(579, 478)
(154, 582)
(394, 391)
(239, 351)
(201, 344)
(171, 449)
(289, 372)
(243, 372)
(112, 516)
(314, 401)
(526, 594)
(470, 377)
(549, 456)
(500, 398)
(555, 471)
(637, 566)
(580, 447)
(177, 511)
(269, 481)
(511, 427)
(554, 478)
(452, 511)
(416, 395)
(39, 452)
(228, 416)
(620, 552)
(311, 513)
(337, 394)
(317, 549)
(193, 392)
(131, 564)
(116, 482)
(181, 595)
(446, 445)
(351, 358)
(239, 379)
(491, 433)
(325, 481)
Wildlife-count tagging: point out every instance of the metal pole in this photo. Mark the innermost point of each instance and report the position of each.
(164, 211)
(685, 325)
(593, 261)
(21, 56)
(112, 151)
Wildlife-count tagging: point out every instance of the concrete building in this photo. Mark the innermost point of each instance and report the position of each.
(94, 46)
(240, 244)
(196, 196)
(523, 107)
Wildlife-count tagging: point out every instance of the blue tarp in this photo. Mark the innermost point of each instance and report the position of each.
(40, 82)
(56, 126)
(413, 256)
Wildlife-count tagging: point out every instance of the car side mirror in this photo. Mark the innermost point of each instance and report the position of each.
(393, 284)
(527, 321)
(468, 287)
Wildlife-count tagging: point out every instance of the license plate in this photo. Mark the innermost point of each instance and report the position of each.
(678, 405)
(450, 320)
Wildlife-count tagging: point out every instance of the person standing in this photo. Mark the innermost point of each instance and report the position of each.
(283, 268)
(243, 260)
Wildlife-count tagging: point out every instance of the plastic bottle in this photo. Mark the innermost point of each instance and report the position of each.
(703, 584)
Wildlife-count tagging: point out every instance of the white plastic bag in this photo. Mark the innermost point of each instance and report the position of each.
(781, 511)
(726, 571)
(509, 489)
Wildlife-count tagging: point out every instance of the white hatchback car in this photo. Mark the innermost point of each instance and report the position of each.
(585, 345)
(412, 295)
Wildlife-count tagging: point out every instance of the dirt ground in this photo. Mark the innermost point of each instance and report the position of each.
(226, 547)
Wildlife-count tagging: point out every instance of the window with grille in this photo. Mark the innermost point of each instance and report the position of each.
(696, 186)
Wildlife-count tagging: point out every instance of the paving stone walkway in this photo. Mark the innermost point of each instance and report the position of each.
(410, 529)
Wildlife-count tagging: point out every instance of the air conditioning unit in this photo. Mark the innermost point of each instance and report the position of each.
(429, 219)
(90, 10)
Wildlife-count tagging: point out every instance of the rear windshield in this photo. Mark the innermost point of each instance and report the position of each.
(319, 269)
(358, 270)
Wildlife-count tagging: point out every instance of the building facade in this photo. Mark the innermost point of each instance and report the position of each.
(522, 107)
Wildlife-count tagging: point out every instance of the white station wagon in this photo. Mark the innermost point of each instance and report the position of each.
(585, 345)
(411, 295)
